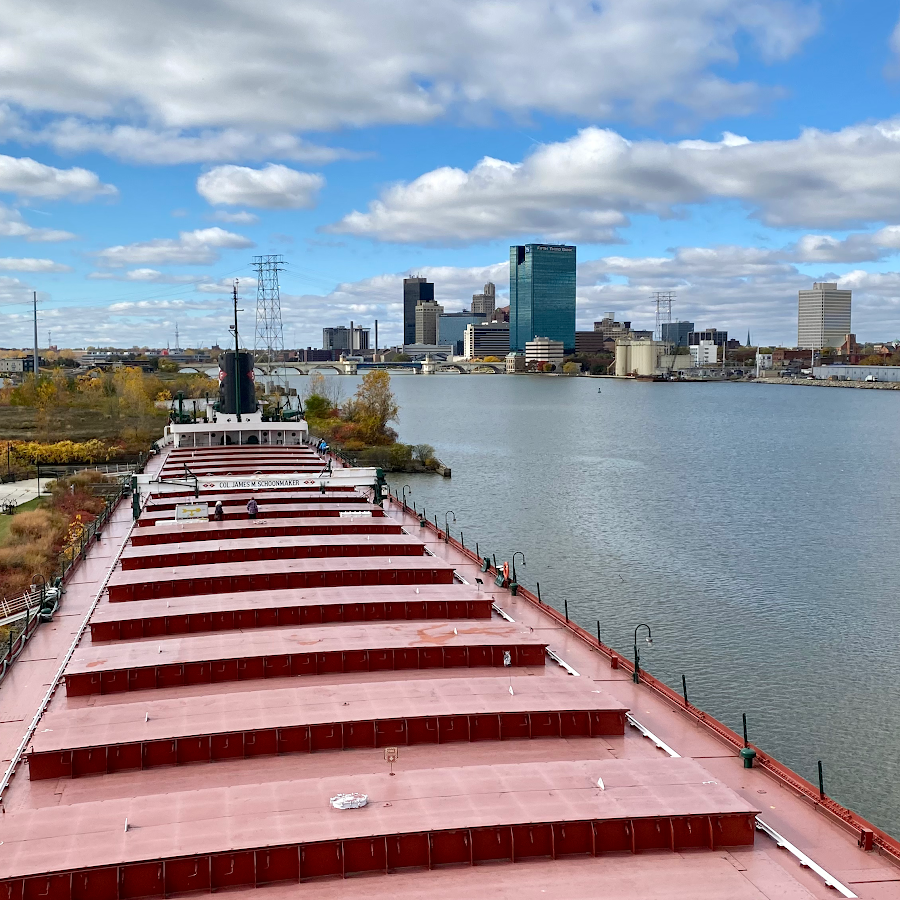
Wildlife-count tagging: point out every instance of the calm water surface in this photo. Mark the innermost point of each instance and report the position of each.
(754, 528)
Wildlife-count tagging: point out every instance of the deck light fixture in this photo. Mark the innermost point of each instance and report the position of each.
(405, 488)
(637, 656)
(446, 526)
(516, 553)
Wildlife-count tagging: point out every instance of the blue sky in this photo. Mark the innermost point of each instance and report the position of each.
(730, 150)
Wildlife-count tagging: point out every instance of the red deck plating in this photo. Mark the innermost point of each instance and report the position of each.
(96, 740)
(280, 608)
(258, 834)
(289, 653)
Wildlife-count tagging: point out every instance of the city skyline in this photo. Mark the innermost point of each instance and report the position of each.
(704, 151)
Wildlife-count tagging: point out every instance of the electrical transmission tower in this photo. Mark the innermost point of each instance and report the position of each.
(663, 311)
(268, 345)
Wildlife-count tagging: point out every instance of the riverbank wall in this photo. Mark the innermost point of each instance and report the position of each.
(819, 382)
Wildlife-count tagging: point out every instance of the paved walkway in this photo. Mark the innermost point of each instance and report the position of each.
(22, 491)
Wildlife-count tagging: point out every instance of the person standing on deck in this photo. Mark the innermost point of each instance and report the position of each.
(252, 508)
(219, 513)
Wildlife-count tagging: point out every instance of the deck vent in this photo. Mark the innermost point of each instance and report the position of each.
(349, 801)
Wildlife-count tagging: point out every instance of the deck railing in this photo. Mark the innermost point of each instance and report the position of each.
(34, 605)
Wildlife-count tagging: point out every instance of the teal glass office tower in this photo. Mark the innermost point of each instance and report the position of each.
(542, 294)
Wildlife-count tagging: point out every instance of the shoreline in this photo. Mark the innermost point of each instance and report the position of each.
(819, 382)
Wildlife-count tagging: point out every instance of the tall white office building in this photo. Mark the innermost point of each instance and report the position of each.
(823, 316)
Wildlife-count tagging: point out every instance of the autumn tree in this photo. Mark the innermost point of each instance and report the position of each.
(373, 407)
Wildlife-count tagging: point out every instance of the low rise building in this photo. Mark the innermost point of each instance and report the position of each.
(339, 338)
(719, 338)
(515, 362)
(857, 373)
(486, 339)
(609, 328)
(17, 365)
(704, 353)
(545, 350)
(590, 343)
(763, 362)
(418, 352)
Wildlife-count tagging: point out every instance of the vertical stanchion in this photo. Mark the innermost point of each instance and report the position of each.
(566, 605)
(539, 592)
(599, 642)
(684, 690)
(821, 782)
(744, 717)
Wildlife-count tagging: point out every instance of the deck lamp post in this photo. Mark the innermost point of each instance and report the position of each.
(637, 656)
(446, 526)
(43, 585)
(517, 553)
(405, 488)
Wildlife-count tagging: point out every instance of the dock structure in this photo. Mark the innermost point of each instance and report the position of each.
(335, 691)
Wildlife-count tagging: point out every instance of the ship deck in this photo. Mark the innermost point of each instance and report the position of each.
(206, 688)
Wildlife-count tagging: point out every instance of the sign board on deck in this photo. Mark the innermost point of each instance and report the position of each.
(349, 477)
(355, 513)
(191, 511)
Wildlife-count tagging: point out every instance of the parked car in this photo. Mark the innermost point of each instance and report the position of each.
(871, 378)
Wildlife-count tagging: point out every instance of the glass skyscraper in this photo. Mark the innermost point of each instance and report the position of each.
(542, 294)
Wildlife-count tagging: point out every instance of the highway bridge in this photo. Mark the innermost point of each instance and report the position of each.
(352, 367)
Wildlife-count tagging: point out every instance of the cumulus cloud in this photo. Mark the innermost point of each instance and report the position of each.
(28, 178)
(13, 225)
(273, 187)
(198, 247)
(585, 188)
(272, 68)
(853, 248)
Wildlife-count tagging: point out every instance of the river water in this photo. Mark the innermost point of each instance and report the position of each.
(754, 528)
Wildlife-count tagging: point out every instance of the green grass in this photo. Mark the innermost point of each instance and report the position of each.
(6, 521)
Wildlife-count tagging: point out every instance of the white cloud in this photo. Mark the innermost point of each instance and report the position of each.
(242, 217)
(165, 146)
(584, 188)
(155, 307)
(146, 276)
(28, 178)
(853, 248)
(13, 225)
(189, 248)
(272, 68)
(273, 187)
(9, 264)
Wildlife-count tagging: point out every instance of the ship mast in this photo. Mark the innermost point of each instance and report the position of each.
(237, 368)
